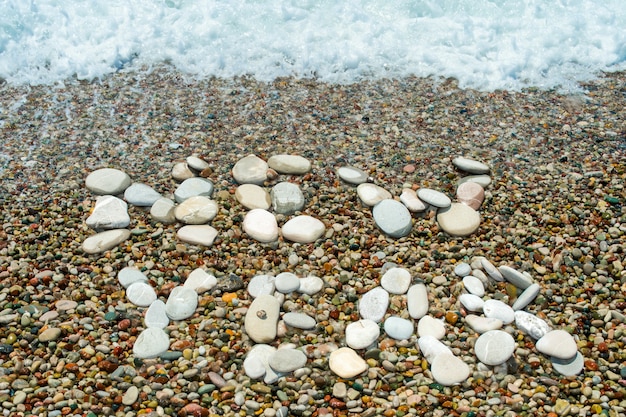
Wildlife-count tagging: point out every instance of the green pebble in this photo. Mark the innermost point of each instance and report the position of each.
(282, 396)
(110, 316)
(357, 386)
(206, 389)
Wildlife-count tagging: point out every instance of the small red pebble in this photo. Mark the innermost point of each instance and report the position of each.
(193, 410)
(123, 324)
(409, 169)
(335, 403)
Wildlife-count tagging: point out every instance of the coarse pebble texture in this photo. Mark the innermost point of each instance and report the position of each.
(555, 208)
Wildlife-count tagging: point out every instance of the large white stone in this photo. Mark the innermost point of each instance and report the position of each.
(498, 310)
(372, 194)
(197, 234)
(361, 334)
(200, 281)
(163, 211)
(527, 296)
(261, 284)
(197, 163)
(104, 241)
(311, 285)
(151, 343)
(431, 347)
(482, 179)
(373, 304)
(470, 165)
(262, 319)
(471, 193)
(181, 171)
(287, 282)
(346, 363)
(303, 229)
(417, 301)
(569, 367)
(299, 320)
(471, 302)
(494, 347)
(192, 187)
(474, 285)
(352, 175)
(252, 196)
(491, 270)
(410, 199)
(449, 370)
(458, 219)
(515, 277)
(141, 195)
(109, 212)
(430, 326)
(434, 197)
(130, 275)
(393, 218)
(181, 303)
(396, 280)
(399, 328)
(141, 294)
(107, 181)
(530, 324)
(250, 170)
(156, 315)
(256, 363)
(482, 324)
(462, 269)
(287, 360)
(261, 225)
(196, 210)
(289, 164)
(287, 198)
(557, 343)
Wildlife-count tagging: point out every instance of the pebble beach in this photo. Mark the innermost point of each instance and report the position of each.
(554, 209)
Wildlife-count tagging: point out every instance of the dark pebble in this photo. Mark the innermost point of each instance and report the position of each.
(4, 348)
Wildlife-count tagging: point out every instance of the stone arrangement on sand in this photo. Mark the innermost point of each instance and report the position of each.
(264, 319)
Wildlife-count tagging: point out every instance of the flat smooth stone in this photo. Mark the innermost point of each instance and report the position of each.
(449, 370)
(557, 343)
(151, 343)
(287, 282)
(287, 360)
(530, 324)
(417, 301)
(462, 269)
(261, 225)
(526, 297)
(107, 181)
(498, 310)
(181, 172)
(346, 363)
(396, 280)
(198, 209)
(156, 315)
(129, 275)
(196, 163)
(197, 234)
(458, 219)
(409, 198)
(181, 303)
(393, 218)
(262, 318)
(494, 347)
(430, 326)
(141, 195)
(141, 294)
(163, 211)
(193, 187)
(474, 285)
(434, 197)
(491, 270)
(569, 367)
(373, 304)
(311, 285)
(399, 328)
(483, 324)
(303, 229)
(372, 194)
(256, 363)
(470, 166)
(472, 302)
(471, 194)
(261, 284)
(103, 241)
(515, 277)
(431, 347)
(483, 180)
(289, 164)
(250, 170)
(287, 198)
(361, 334)
(200, 281)
(299, 320)
(352, 175)
(252, 196)
(109, 212)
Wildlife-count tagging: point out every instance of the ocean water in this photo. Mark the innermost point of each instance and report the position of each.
(485, 44)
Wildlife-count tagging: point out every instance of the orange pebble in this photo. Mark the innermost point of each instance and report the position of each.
(229, 297)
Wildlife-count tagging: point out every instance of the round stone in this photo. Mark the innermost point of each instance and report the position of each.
(130, 275)
(287, 282)
(261, 284)
(361, 334)
(299, 320)
(109, 212)
(261, 225)
(410, 199)
(449, 370)
(430, 326)
(557, 343)
(156, 315)
(471, 302)
(498, 310)
(494, 347)
(372, 194)
(252, 196)
(462, 269)
(346, 363)
(393, 218)
(141, 294)
(474, 285)
(396, 280)
(289, 164)
(352, 175)
(458, 219)
(569, 367)
(250, 170)
(193, 187)
(470, 165)
(200, 281)
(141, 195)
(181, 303)
(287, 360)
(197, 163)
(434, 198)
(303, 229)
(530, 324)
(311, 285)
(471, 194)
(107, 181)
(163, 211)
(287, 198)
(398, 328)
(196, 210)
(197, 234)
(373, 304)
(257, 360)
(151, 343)
(417, 301)
(50, 334)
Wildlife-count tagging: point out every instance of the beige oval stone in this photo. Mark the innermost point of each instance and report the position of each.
(261, 225)
(471, 193)
(181, 172)
(250, 170)
(458, 219)
(196, 210)
(252, 196)
(346, 363)
(104, 241)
